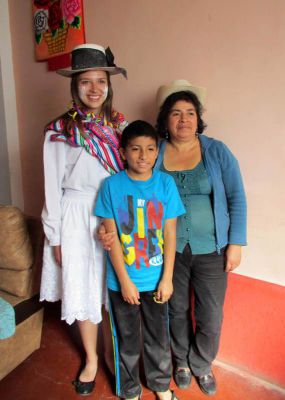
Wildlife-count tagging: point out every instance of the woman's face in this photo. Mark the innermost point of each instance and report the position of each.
(92, 89)
(182, 121)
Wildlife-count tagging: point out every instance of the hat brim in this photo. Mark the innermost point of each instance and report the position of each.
(112, 71)
(165, 91)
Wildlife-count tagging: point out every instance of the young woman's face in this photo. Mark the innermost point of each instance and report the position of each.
(182, 121)
(92, 89)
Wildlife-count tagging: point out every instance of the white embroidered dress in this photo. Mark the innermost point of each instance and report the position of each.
(72, 180)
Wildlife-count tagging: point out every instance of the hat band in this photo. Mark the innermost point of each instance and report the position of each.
(88, 58)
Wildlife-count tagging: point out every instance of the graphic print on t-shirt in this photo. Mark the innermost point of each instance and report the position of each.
(140, 225)
(139, 209)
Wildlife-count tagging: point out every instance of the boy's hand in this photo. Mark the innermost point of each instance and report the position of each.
(164, 290)
(106, 239)
(130, 293)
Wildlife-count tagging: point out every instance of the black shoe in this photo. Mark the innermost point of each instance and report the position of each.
(182, 377)
(84, 388)
(207, 384)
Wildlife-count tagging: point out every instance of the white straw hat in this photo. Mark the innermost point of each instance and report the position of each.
(179, 85)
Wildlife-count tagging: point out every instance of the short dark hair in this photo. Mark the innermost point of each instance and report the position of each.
(138, 128)
(190, 97)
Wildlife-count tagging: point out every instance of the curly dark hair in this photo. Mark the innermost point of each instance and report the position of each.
(190, 97)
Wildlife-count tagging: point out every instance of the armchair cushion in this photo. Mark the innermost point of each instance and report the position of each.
(17, 283)
(15, 246)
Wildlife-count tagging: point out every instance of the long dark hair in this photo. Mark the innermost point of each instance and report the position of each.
(190, 97)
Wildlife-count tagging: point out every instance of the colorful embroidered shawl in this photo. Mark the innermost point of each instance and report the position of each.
(101, 138)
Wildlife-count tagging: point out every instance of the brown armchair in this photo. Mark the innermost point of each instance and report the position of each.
(21, 248)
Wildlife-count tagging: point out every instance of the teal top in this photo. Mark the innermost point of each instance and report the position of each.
(197, 226)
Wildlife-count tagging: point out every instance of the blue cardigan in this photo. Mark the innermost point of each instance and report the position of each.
(229, 202)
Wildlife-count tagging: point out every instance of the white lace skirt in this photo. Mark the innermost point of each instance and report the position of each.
(80, 283)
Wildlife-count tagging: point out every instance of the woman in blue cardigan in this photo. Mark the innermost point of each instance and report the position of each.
(209, 235)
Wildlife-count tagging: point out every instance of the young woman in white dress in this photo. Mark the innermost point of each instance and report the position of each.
(80, 150)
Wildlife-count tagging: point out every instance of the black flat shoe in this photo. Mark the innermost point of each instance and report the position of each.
(182, 377)
(84, 388)
(207, 384)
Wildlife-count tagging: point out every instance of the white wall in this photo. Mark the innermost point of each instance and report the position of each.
(11, 178)
(5, 190)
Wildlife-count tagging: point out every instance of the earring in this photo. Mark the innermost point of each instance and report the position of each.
(196, 134)
(166, 135)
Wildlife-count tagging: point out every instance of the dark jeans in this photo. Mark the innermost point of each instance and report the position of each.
(134, 327)
(206, 274)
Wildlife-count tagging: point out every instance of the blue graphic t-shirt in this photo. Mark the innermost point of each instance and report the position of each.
(139, 209)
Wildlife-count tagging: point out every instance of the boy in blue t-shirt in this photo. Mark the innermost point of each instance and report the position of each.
(141, 205)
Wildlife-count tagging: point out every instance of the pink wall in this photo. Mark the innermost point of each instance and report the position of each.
(235, 49)
(40, 97)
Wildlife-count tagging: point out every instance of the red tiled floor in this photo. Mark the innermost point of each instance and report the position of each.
(48, 372)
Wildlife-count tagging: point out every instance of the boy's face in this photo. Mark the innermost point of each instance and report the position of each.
(140, 154)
